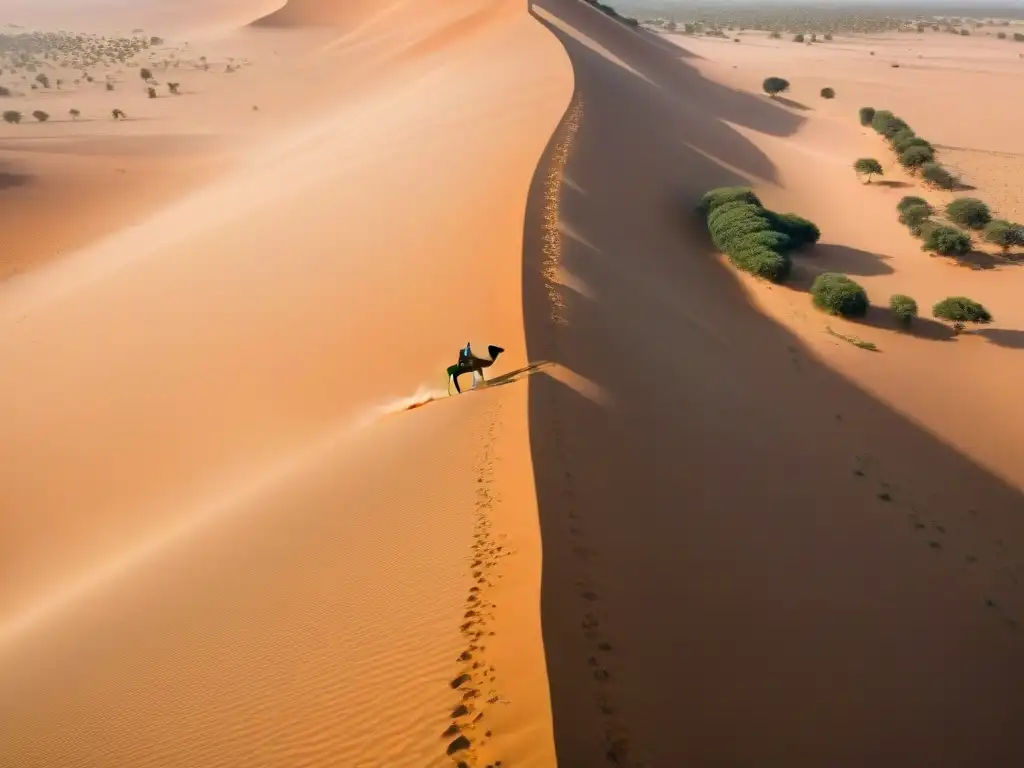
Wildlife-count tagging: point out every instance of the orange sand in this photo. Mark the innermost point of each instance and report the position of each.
(244, 525)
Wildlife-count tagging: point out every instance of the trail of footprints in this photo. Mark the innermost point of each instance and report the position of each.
(616, 738)
(476, 684)
(1007, 575)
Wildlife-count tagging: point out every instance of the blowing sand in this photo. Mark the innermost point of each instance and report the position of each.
(243, 524)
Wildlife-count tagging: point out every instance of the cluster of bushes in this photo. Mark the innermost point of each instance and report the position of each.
(914, 153)
(755, 239)
(966, 212)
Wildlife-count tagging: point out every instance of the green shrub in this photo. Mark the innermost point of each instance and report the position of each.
(914, 217)
(755, 239)
(900, 139)
(969, 212)
(867, 166)
(773, 86)
(903, 308)
(839, 295)
(915, 141)
(867, 114)
(945, 241)
(799, 230)
(911, 201)
(915, 157)
(960, 310)
(887, 124)
(937, 176)
(723, 195)
(1004, 233)
(828, 93)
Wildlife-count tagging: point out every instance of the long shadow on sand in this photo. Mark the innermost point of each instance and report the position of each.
(748, 560)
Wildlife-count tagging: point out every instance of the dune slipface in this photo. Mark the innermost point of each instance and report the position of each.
(216, 550)
(760, 547)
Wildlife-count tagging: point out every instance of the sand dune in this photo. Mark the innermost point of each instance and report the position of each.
(202, 562)
(244, 525)
(760, 548)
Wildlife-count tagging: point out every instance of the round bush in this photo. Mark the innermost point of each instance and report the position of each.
(828, 93)
(723, 195)
(937, 176)
(915, 216)
(945, 241)
(912, 201)
(775, 85)
(1004, 233)
(800, 231)
(839, 295)
(914, 157)
(763, 263)
(960, 310)
(903, 308)
(866, 114)
(969, 212)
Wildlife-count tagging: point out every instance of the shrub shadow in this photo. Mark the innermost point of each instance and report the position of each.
(881, 317)
(891, 184)
(793, 104)
(9, 180)
(1003, 337)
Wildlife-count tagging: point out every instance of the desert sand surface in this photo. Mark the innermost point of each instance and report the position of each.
(224, 540)
(690, 527)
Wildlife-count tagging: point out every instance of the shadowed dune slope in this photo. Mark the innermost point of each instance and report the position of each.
(215, 549)
(745, 554)
(301, 13)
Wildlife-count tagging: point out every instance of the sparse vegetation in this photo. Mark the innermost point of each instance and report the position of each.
(828, 93)
(152, 92)
(903, 308)
(41, 116)
(969, 212)
(945, 241)
(173, 88)
(4, 90)
(12, 116)
(868, 166)
(773, 86)
(837, 294)
(43, 80)
(867, 114)
(854, 340)
(754, 238)
(145, 74)
(959, 310)
(798, 38)
(1004, 233)
(117, 114)
(75, 114)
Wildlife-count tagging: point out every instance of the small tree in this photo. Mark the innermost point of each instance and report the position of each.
(117, 114)
(773, 86)
(903, 308)
(41, 116)
(828, 35)
(145, 74)
(868, 166)
(75, 114)
(173, 88)
(798, 38)
(867, 114)
(937, 176)
(1004, 233)
(910, 201)
(969, 212)
(913, 158)
(828, 93)
(959, 310)
(152, 92)
(839, 295)
(946, 241)
(43, 80)
(12, 116)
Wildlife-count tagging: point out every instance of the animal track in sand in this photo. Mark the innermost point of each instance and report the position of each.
(476, 673)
